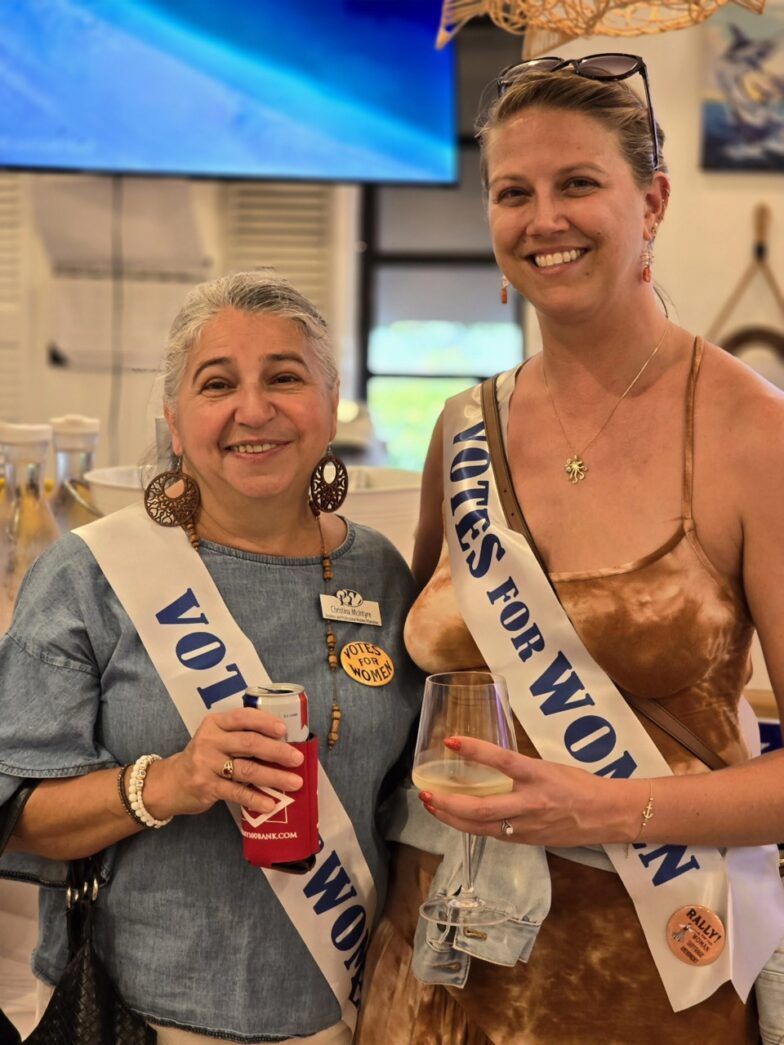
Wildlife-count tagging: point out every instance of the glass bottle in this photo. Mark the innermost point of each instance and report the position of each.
(27, 525)
(74, 450)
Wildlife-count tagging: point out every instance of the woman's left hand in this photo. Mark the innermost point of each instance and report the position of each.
(549, 804)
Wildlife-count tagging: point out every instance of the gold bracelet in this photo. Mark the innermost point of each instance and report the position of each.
(647, 814)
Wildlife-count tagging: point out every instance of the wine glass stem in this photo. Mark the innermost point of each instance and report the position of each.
(467, 890)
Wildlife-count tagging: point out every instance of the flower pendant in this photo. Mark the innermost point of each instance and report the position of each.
(575, 469)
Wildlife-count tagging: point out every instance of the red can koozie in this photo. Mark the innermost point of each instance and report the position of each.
(287, 839)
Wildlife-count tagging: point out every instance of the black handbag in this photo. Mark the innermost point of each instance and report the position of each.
(85, 1008)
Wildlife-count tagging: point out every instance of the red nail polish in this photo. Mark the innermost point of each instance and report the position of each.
(425, 796)
(453, 743)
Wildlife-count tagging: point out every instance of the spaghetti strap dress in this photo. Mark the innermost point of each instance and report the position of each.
(667, 628)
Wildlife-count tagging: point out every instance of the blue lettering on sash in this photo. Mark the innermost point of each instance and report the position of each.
(469, 463)
(223, 688)
(477, 494)
(625, 766)
(471, 525)
(357, 959)
(670, 866)
(332, 886)
(561, 690)
(588, 738)
(349, 928)
(323, 882)
(476, 431)
(174, 614)
(201, 650)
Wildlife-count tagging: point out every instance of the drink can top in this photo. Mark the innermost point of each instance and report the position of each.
(275, 689)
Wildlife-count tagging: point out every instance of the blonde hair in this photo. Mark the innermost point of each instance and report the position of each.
(612, 103)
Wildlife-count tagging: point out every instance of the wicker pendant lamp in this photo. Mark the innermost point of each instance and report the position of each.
(549, 23)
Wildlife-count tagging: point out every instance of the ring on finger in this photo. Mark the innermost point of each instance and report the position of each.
(506, 828)
(228, 769)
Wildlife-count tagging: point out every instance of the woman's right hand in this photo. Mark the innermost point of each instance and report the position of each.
(192, 781)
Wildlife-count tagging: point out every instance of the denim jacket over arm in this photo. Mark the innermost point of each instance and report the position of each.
(513, 878)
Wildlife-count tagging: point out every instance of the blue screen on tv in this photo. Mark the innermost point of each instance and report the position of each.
(345, 90)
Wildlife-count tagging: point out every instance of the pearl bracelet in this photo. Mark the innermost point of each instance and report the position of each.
(136, 787)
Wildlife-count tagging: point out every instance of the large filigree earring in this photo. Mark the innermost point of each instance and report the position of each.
(328, 484)
(177, 510)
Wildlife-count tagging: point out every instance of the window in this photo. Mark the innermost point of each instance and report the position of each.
(432, 320)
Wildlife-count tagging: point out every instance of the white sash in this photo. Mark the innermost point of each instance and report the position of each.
(574, 715)
(205, 661)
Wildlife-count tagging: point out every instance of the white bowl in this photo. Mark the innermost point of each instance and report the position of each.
(385, 498)
(114, 488)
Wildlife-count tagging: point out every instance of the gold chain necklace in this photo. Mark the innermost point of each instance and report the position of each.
(575, 466)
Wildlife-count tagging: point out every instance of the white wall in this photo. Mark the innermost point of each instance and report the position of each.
(705, 243)
(48, 391)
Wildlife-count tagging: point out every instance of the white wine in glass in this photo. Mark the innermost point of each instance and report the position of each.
(469, 704)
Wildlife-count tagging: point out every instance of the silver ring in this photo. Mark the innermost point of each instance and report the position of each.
(228, 769)
(506, 828)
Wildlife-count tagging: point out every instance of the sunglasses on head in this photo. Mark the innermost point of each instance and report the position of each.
(606, 67)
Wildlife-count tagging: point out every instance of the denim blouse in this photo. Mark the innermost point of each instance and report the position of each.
(192, 935)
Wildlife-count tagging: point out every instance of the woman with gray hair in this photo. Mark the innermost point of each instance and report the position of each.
(134, 645)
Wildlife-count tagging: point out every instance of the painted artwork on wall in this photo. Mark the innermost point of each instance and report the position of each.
(743, 97)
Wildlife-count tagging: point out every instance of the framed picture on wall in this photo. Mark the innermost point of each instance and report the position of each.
(743, 94)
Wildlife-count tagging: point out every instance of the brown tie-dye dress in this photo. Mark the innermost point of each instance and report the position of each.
(667, 628)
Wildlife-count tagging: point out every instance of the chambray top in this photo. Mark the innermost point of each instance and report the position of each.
(191, 934)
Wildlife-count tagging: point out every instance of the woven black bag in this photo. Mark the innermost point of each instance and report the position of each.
(85, 1008)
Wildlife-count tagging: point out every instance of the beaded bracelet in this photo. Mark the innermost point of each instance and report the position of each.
(124, 795)
(136, 787)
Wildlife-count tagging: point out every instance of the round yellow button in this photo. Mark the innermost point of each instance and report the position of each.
(367, 663)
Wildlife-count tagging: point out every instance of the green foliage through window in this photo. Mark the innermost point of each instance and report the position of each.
(404, 411)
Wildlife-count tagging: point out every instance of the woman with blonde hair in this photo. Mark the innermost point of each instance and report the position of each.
(591, 530)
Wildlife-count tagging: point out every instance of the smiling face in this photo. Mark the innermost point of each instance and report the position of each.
(253, 414)
(567, 219)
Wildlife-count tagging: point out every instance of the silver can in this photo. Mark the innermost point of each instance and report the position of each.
(286, 700)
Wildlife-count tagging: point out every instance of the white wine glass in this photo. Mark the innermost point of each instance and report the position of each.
(469, 704)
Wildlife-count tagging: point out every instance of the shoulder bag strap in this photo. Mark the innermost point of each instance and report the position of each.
(12, 810)
(649, 709)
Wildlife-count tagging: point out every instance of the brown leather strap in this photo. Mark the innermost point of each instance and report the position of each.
(515, 519)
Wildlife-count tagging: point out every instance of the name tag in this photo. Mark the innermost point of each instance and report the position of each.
(349, 605)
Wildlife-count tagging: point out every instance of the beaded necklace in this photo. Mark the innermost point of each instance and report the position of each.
(327, 574)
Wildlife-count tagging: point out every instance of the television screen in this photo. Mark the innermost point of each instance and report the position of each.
(344, 90)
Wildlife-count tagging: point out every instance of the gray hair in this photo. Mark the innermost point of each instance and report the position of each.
(260, 292)
(612, 103)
